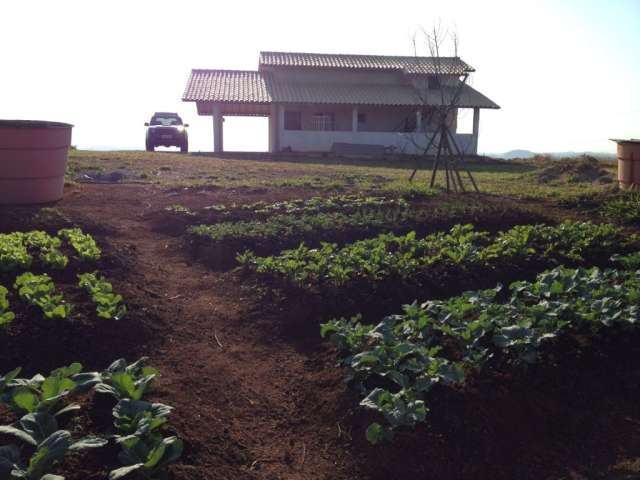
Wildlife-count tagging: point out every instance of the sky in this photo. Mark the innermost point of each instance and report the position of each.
(565, 73)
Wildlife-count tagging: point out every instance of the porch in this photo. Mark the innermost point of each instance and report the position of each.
(317, 127)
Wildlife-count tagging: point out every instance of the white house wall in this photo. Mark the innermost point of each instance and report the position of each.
(322, 141)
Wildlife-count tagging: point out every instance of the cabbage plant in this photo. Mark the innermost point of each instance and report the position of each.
(47, 394)
(49, 452)
(147, 456)
(122, 380)
(135, 418)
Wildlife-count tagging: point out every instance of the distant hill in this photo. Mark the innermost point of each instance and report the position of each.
(529, 154)
(514, 154)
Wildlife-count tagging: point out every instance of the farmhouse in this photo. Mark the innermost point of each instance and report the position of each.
(324, 102)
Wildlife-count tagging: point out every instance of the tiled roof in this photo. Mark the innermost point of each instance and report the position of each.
(411, 65)
(332, 93)
(235, 86)
(468, 97)
(242, 86)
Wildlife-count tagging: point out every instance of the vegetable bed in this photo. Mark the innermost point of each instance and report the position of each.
(41, 406)
(219, 243)
(20, 251)
(396, 363)
(391, 268)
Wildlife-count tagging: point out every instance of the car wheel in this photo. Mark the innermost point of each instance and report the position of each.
(184, 148)
(150, 147)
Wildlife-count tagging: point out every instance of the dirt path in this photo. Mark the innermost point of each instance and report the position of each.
(258, 411)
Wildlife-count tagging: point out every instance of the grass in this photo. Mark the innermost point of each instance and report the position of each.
(322, 173)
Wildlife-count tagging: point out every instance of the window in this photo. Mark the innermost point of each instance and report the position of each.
(166, 120)
(322, 121)
(433, 82)
(362, 120)
(409, 124)
(292, 120)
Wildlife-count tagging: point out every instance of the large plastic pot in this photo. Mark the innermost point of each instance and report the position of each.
(628, 163)
(33, 160)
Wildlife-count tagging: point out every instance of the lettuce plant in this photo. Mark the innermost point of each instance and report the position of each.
(13, 253)
(39, 291)
(180, 210)
(217, 207)
(83, 243)
(48, 248)
(108, 304)
(6, 316)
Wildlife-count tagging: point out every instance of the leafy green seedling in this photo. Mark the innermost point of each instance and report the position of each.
(6, 316)
(49, 452)
(147, 457)
(84, 244)
(48, 248)
(48, 394)
(13, 253)
(180, 210)
(108, 305)
(127, 381)
(138, 418)
(39, 291)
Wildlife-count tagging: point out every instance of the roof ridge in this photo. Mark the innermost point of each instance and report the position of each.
(206, 70)
(267, 52)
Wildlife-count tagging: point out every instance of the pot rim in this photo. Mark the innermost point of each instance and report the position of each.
(33, 124)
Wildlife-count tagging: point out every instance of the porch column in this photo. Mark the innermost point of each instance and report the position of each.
(476, 129)
(418, 120)
(354, 118)
(274, 129)
(217, 129)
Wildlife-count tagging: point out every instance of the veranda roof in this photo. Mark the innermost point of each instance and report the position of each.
(260, 87)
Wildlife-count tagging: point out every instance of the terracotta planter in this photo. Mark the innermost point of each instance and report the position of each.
(33, 159)
(628, 163)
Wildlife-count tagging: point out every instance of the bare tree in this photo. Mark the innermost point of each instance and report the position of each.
(439, 93)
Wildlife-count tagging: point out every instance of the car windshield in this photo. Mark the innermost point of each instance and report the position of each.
(166, 121)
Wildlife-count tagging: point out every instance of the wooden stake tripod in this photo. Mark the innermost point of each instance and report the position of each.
(448, 150)
(450, 157)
